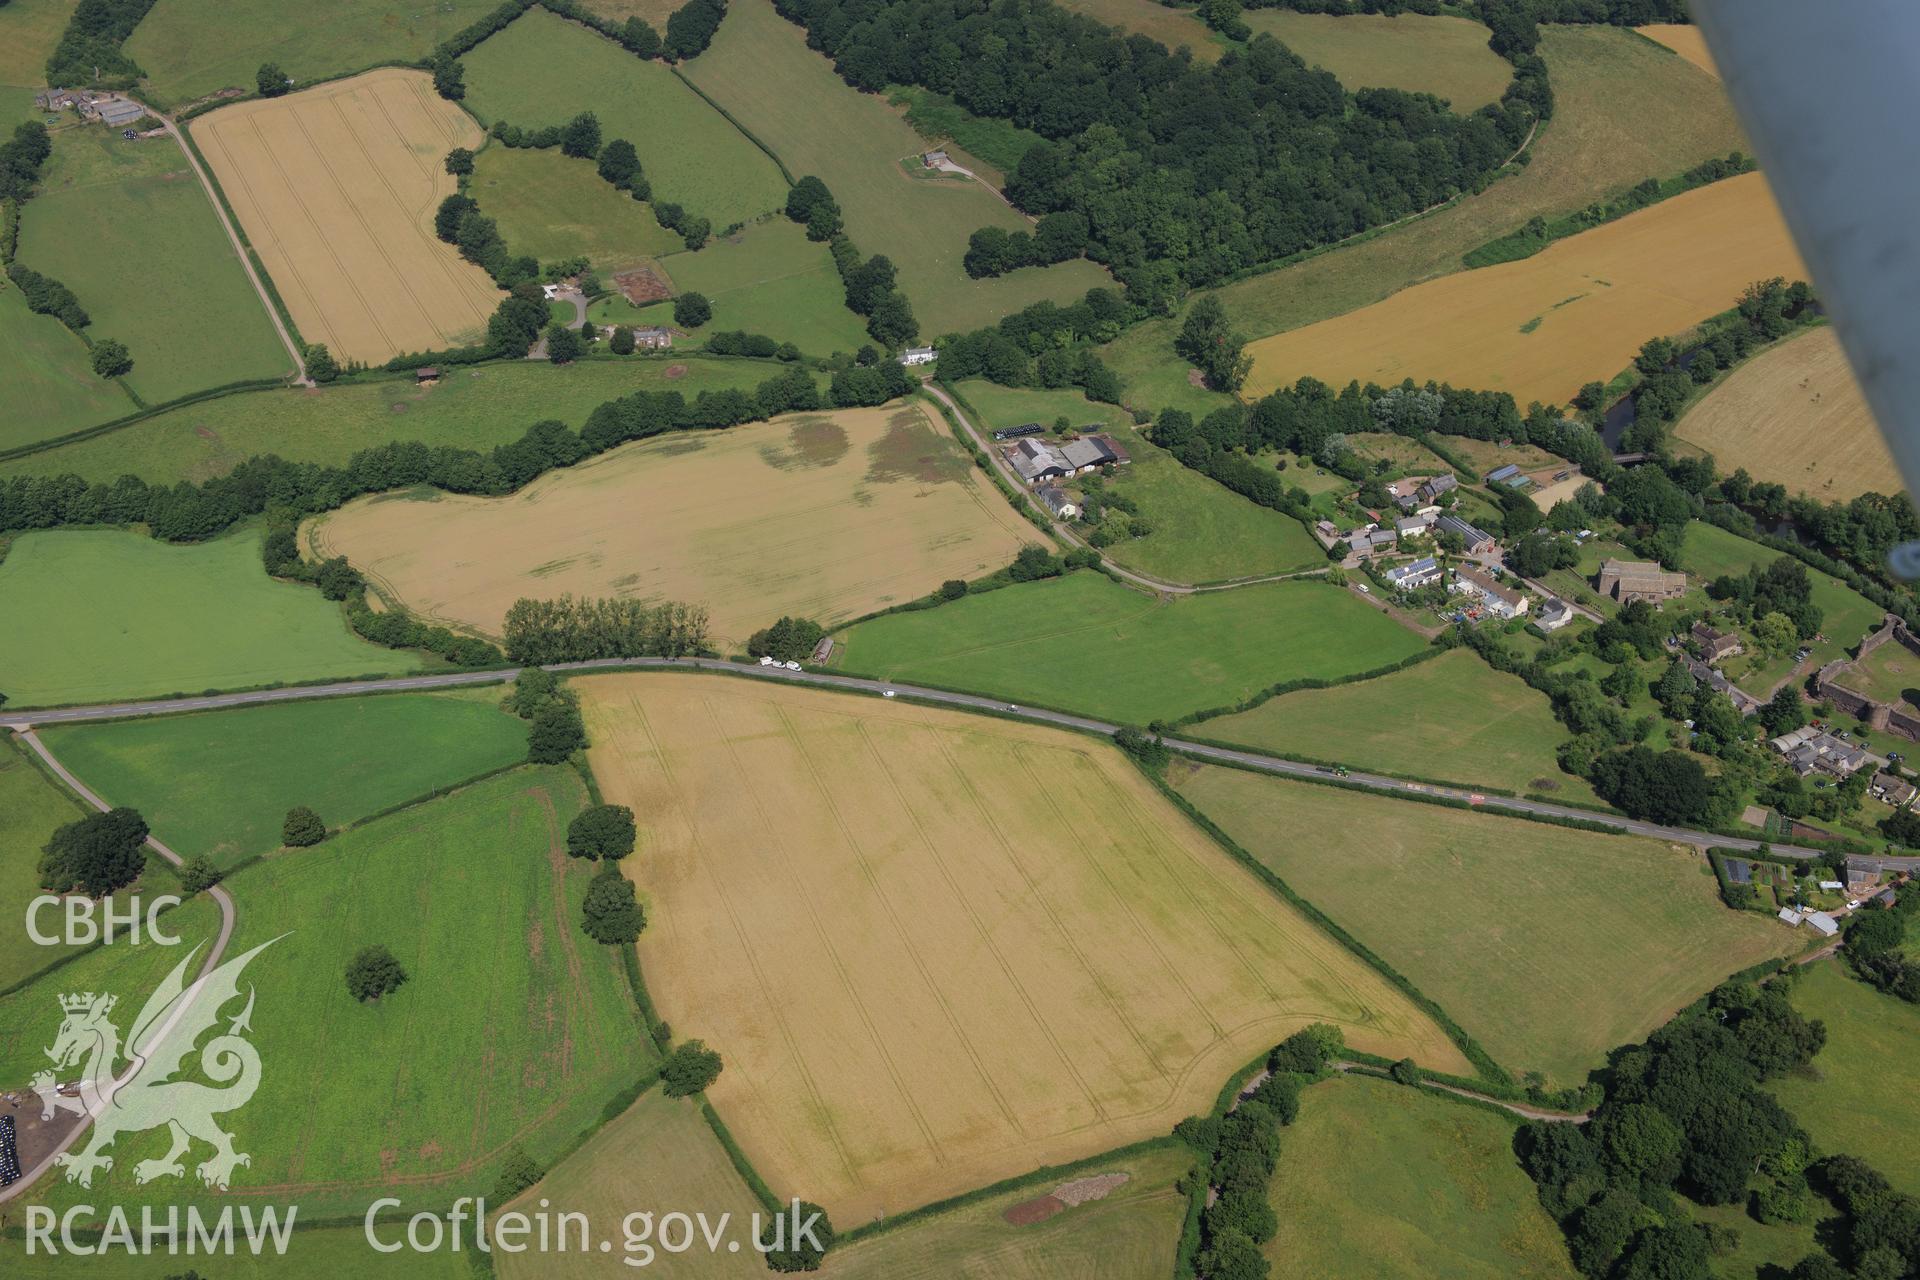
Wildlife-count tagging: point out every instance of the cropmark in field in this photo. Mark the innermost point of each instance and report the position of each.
(938, 950)
(336, 187)
(1575, 312)
(827, 516)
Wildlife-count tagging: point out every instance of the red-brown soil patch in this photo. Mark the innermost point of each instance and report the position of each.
(1028, 1212)
(676, 371)
(643, 285)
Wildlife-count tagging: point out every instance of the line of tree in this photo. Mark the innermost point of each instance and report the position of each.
(789, 639)
(871, 287)
(1684, 1115)
(48, 297)
(738, 342)
(89, 51)
(21, 156)
(579, 629)
(1875, 947)
(1045, 345)
(552, 712)
(1183, 172)
(187, 511)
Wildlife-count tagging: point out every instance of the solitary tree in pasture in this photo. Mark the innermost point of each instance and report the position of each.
(692, 310)
(110, 359)
(580, 137)
(270, 80)
(373, 972)
(320, 363)
(459, 162)
(619, 162)
(95, 856)
(303, 828)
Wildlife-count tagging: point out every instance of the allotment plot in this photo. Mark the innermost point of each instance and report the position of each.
(337, 187)
(1576, 311)
(938, 950)
(826, 516)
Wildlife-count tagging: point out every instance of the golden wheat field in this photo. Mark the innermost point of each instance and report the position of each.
(827, 516)
(336, 188)
(1573, 313)
(1795, 415)
(1684, 39)
(937, 950)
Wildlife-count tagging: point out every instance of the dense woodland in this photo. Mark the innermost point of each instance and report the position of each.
(1176, 169)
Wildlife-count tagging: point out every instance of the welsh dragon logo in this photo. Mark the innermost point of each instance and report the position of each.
(145, 1095)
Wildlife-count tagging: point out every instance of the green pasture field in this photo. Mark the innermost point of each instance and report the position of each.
(943, 122)
(1763, 1251)
(512, 1027)
(760, 70)
(1130, 1234)
(1600, 142)
(29, 29)
(323, 1254)
(472, 408)
(1454, 718)
(1172, 27)
(691, 154)
(1446, 57)
(98, 615)
(31, 807)
(1402, 455)
(1202, 532)
(30, 1017)
(766, 278)
(1890, 673)
(554, 206)
(129, 230)
(220, 782)
(653, 12)
(190, 48)
(1085, 643)
(1848, 1098)
(46, 377)
(1378, 1181)
(1710, 551)
(658, 1153)
(1549, 945)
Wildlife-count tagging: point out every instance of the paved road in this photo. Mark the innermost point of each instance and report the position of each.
(239, 249)
(219, 949)
(24, 719)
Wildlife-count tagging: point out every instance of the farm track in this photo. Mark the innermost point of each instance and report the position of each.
(239, 250)
(219, 949)
(24, 720)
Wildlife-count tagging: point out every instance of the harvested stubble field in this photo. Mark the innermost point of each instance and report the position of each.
(1600, 142)
(220, 783)
(474, 408)
(95, 615)
(1574, 312)
(691, 154)
(512, 1027)
(938, 950)
(1381, 1182)
(1445, 56)
(848, 512)
(336, 188)
(189, 48)
(760, 70)
(1795, 415)
(659, 1152)
(1684, 39)
(129, 229)
(554, 206)
(1549, 945)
